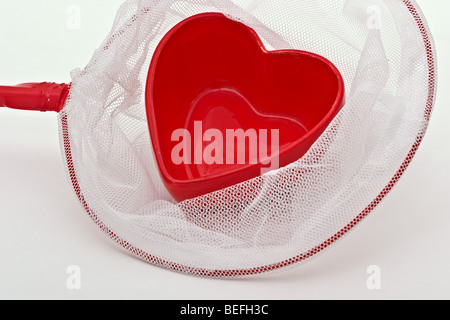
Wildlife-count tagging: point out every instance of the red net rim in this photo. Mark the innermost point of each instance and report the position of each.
(428, 42)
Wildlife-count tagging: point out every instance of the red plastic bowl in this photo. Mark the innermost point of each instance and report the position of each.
(215, 70)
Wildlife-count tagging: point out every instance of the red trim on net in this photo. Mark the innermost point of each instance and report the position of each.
(297, 259)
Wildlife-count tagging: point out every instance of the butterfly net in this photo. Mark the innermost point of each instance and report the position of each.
(385, 54)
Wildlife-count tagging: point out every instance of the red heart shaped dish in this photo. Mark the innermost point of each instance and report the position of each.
(222, 109)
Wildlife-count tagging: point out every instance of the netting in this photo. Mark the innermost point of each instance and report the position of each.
(386, 56)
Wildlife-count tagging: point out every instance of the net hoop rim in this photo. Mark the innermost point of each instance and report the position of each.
(303, 257)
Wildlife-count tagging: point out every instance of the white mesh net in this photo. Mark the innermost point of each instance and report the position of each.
(386, 56)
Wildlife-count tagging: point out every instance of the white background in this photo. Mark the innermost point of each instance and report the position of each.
(43, 229)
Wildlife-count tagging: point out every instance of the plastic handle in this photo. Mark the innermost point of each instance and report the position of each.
(42, 97)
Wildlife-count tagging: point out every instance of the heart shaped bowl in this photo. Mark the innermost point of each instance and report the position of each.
(213, 73)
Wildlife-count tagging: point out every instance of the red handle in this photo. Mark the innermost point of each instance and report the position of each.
(35, 96)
